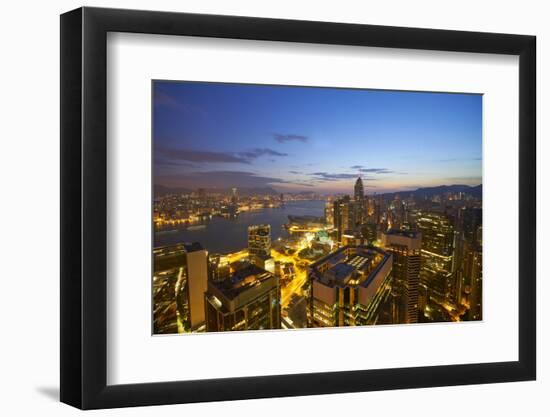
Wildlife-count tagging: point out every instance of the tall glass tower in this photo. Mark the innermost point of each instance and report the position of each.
(359, 191)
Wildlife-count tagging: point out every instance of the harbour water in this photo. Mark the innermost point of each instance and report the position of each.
(221, 235)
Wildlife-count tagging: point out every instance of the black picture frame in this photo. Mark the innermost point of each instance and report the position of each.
(84, 207)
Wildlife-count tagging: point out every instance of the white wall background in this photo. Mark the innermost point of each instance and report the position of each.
(29, 175)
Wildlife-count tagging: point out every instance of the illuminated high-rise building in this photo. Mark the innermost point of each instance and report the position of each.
(259, 240)
(360, 202)
(349, 286)
(471, 223)
(369, 232)
(344, 216)
(196, 277)
(378, 209)
(329, 213)
(358, 190)
(234, 196)
(248, 300)
(467, 241)
(437, 252)
(472, 259)
(423, 298)
(475, 279)
(179, 282)
(405, 248)
(167, 291)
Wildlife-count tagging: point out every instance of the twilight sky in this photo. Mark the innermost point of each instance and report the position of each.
(209, 135)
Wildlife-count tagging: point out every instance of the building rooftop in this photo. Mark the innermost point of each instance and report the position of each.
(340, 273)
(407, 233)
(260, 229)
(178, 247)
(412, 240)
(349, 265)
(241, 280)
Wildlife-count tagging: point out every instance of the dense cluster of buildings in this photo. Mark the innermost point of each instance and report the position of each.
(193, 293)
(387, 259)
(194, 207)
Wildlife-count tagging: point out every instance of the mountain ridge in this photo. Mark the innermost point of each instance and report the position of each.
(475, 190)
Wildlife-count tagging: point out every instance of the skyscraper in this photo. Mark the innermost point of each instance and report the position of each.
(167, 291)
(344, 216)
(248, 300)
(348, 286)
(329, 213)
(471, 223)
(405, 248)
(360, 202)
(437, 252)
(475, 281)
(467, 243)
(259, 240)
(358, 190)
(473, 259)
(196, 275)
(179, 282)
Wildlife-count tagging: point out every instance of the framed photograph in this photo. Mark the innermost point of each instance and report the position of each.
(258, 208)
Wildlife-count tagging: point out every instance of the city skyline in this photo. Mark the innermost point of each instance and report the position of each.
(296, 139)
(366, 261)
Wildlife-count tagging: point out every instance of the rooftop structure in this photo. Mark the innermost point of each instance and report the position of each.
(247, 300)
(408, 234)
(348, 285)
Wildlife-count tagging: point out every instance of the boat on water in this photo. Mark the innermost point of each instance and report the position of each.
(162, 232)
(197, 227)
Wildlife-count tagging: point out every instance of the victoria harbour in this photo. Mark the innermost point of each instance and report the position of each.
(235, 230)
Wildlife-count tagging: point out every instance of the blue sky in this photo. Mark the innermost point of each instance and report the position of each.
(210, 135)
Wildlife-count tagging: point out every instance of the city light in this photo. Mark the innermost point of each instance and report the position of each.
(426, 267)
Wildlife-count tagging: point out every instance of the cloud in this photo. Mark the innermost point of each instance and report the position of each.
(458, 159)
(377, 170)
(256, 153)
(289, 138)
(361, 168)
(165, 166)
(167, 156)
(325, 176)
(295, 172)
(364, 170)
(223, 179)
(190, 155)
